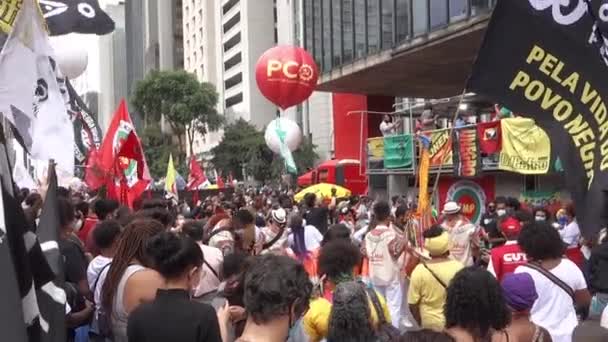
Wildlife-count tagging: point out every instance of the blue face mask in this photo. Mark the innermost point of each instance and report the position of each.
(562, 220)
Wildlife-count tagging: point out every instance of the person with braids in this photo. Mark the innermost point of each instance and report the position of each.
(173, 315)
(559, 282)
(130, 280)
(475, 308)
(350, 318)
(337, 262)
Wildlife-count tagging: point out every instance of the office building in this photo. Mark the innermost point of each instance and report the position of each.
(222, 43)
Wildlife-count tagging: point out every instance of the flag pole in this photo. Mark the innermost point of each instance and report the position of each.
(4, 143)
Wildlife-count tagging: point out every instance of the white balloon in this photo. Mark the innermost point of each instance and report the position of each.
(293, 135)
(72, 58)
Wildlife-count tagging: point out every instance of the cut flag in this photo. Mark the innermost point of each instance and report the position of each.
(120, 163)
(197, 177)
(170, 179)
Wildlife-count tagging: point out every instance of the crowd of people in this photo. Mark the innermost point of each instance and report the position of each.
(255, 266)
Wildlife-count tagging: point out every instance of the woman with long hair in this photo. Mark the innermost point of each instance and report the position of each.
(350, 318)
(130, 280)
(179, 260)
(303, 240)
(475, 308)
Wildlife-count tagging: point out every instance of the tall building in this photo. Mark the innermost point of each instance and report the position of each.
(222, 43)
(153, 37)
(113, 70)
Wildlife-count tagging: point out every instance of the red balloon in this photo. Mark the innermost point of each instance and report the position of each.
(286, 75)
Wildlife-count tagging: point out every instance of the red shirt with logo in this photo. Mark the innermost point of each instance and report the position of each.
(505, 259)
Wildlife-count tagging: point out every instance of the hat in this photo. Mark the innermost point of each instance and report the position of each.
(510, 226)
(437, 245)
(519, 291)
(279, 216)
(451, 208)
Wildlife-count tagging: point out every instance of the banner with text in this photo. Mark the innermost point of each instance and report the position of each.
(553, 66)
(441, 148)
(467, 161)
(375, 153)
(526, 148)
(398, 151)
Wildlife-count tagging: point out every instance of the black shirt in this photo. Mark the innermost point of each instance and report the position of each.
(317, 217)
(173, 317)
(74, 261)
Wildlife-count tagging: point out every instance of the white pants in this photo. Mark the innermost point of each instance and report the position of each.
(394, 297)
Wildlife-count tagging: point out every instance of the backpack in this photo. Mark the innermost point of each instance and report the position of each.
(385, 331)
(382, 267)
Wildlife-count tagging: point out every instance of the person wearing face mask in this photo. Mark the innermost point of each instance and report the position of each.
(570, 234)
(277, 293)
(501, 206)
(541, 215)
(172, 315)
(489, 223)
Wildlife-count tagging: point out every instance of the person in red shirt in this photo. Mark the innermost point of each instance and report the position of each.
(505, 259)
(102, 209)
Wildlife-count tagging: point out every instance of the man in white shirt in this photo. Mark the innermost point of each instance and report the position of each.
(384, 263)
(464, 236)
(388, 127)
(214, 258)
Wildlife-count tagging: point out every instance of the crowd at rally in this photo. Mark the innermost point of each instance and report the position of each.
(255, 266)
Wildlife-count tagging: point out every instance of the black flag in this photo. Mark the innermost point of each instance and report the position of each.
(52, 297)
(76, 16)
(548, 61)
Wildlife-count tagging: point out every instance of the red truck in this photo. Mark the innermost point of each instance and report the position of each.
(344, 172)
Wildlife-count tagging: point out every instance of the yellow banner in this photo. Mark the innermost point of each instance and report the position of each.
(375, 148)
(440, 150)
(8, 13)
(526, 148)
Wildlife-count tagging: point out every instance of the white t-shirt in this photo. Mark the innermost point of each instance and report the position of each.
(570, 234)
(553, 310)
(461, 234)
(312, 238)
(388, 128)
(97, 270)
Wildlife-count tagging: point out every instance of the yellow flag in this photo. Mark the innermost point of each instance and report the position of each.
(526, 148)
(170, 184)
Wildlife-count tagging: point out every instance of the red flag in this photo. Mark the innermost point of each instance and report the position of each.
(489, 136)
(196, 176)
(230, 179)
(218, 180)
(120, 161)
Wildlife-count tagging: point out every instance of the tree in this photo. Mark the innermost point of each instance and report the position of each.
(186, 104)
(157, 148)
(243, 147)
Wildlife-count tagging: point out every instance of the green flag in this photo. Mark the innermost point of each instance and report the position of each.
(290, 164)
(398, 151)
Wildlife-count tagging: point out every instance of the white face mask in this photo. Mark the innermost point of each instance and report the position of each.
(540, 218)
(501, 212)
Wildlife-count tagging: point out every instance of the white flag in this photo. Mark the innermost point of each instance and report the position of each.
(30, 96)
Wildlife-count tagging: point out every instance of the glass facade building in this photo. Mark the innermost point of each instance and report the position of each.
(338, 32)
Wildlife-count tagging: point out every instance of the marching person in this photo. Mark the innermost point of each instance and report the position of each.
(506, 258)
(384, 250)
(558, 281)
(464, 237)
(430, 279)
